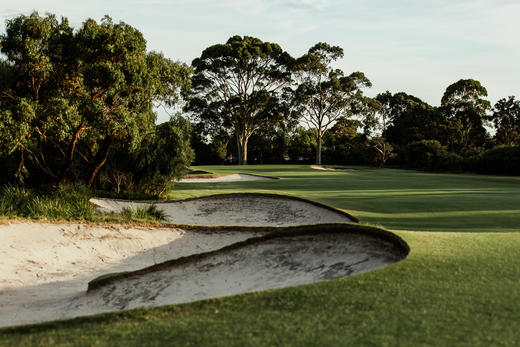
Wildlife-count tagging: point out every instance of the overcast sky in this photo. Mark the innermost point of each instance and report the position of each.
(416, 46)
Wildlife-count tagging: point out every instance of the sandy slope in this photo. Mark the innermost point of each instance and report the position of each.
(235, 209)
(44, 264)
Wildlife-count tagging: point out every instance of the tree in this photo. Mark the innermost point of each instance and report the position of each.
(302, 144)
(388, 110)
(324, 94)
(344, 144)
(37, 51)
(506, 119)
(409, 119)
(162, 157)
(239, 86)
(77, 94)
(463, 104)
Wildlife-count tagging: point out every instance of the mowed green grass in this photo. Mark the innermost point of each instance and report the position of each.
(460, 285)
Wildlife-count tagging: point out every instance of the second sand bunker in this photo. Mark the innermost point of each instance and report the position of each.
(237, 209)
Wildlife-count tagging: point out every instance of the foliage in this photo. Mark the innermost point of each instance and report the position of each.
(409, 119)
(209, 147)
(325, 94)
(77, 94)
(506, 119)
(143, 214)
(302, 145)
(239, 86)
(344, 144)
(464, 105)
(270, 144)
(431, 155)
(163, 156)
(499, 160)
(66, 202)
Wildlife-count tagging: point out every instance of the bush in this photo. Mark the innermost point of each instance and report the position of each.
(152, 168)
(432, 156)
(499, 160)
(145, 214)
(70, 203)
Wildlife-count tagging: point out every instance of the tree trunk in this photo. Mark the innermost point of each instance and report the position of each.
(242, 159)
(70, 152)
(101, 159)
(318, 149)
(239, 148)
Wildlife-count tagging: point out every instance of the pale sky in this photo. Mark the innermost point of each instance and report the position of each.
(416, 46)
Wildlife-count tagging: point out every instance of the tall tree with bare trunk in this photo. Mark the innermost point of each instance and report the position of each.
(324, 94)
(240, 86)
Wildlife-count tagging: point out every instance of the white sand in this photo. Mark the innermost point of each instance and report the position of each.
(243, 210)
(323, 168)
(277, 263)
(43, 264)
(45, 267)
(225, 178)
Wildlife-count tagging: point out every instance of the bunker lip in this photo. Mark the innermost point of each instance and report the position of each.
(240, 200)
(401, 248)
(223, 178)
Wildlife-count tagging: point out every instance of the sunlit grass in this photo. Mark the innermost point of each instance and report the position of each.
(458, 286)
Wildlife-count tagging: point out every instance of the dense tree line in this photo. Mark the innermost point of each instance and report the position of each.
(78, 106)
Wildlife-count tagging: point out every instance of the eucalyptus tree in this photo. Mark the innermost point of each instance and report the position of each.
(77, 93)
(241, 86)
(464, 104)
(506, 119)
(325, 94)
(36, 49)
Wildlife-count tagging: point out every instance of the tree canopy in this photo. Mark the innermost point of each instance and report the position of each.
(464, 105)
(240, 86)
(409, 119)
(506, 119)
(76, 94)
(324, 94)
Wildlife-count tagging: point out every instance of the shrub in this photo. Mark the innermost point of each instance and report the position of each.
(499, 160)
(432, 156)
(69, 202)
(161, 158)
(151, 213)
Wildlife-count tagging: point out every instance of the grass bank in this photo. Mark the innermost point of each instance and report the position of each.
(65, 203)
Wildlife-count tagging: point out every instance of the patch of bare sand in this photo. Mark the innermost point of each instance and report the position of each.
(327, 168)
(225, 178)
(235, 209)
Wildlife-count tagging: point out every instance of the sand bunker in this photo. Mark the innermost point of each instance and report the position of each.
(328, 168)
(225, 178)
(46, 267)
(268, 262)
(237, 209)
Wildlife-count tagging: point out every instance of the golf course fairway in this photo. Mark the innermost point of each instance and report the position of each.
(459, 285)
